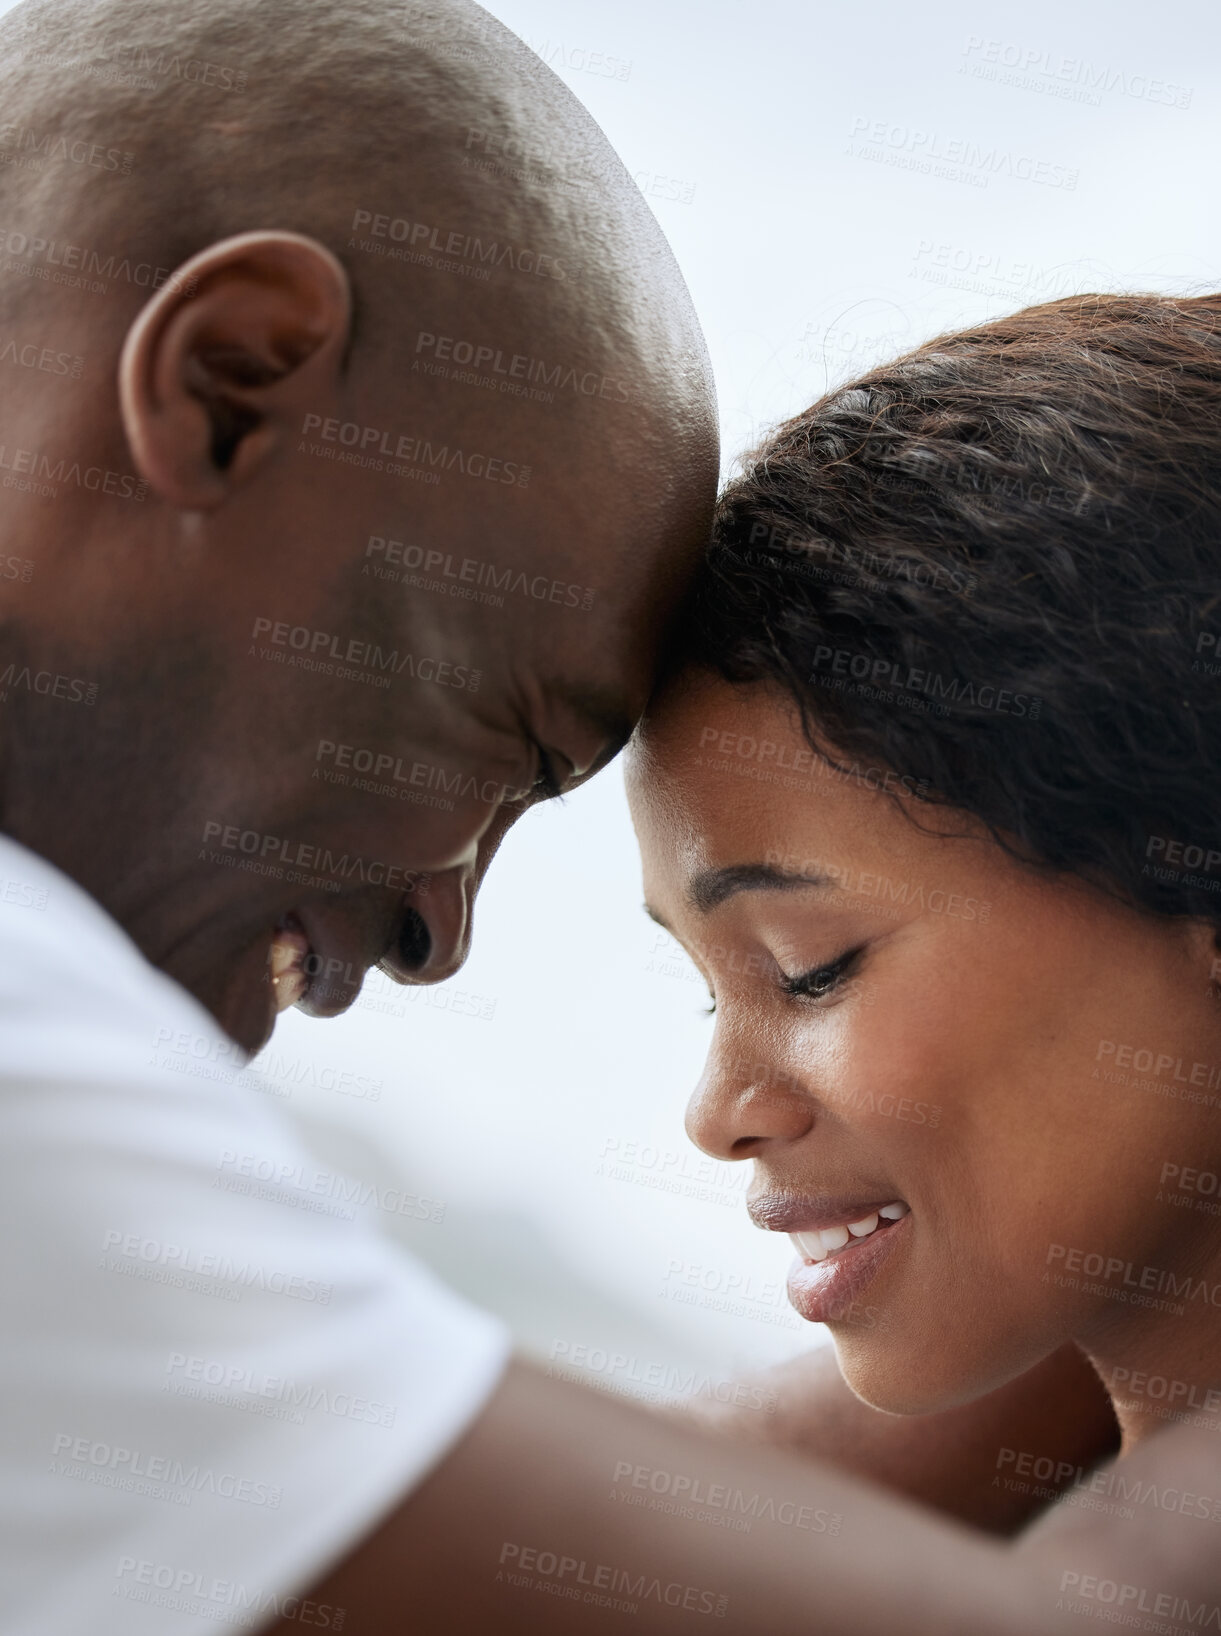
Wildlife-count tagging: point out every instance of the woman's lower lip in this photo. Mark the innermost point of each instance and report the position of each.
(824, 1292)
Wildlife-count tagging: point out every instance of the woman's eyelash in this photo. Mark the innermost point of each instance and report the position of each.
(820, 981)
(816, 983)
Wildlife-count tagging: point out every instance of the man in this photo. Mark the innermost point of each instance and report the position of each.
(357, 443)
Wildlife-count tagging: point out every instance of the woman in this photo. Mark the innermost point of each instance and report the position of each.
(931, 797)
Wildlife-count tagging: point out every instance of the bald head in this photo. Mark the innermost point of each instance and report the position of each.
(239, 116)
(372, 128)
(376, 443)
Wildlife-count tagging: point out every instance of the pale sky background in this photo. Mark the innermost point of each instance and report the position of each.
(549, 1121)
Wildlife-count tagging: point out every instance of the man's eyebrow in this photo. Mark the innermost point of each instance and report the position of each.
(711, 887)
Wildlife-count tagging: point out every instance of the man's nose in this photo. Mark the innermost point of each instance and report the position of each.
(434, 935)
(741, 1106)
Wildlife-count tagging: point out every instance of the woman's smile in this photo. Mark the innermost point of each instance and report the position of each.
(916, 1088)
(817, 1243)
(832, 1273)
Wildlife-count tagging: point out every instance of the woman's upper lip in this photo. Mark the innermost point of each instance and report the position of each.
(788, 1213)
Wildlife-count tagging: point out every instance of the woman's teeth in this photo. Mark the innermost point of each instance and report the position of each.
(818, 1245)
(286, 966)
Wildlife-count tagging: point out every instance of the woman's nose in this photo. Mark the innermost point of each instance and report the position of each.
(741, 1106)
(434, 935)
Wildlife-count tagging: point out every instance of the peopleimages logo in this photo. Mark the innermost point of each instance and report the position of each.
(604, 1583)
(139, 1249)
(378, 448)
(1040, 69)
(420, 239)
(298, 855)
(691, 1491)
(807, 760)
(91, 262)
(74, 689)
(31, 355)
(29, 468)
(1182, 855)
(1089, 1589)
(1159, 1063)
(356, 651)
(1114, 1270)
(204, 1596)
(466, 576)
(39, 145)
(520, 367)
(960, 156)
(821, 557)
(426, 774)
(878, 676)
(158, 1475)
(239, 1379)
(1180, 1394)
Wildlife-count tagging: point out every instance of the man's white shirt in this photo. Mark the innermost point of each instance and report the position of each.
(215, 1376)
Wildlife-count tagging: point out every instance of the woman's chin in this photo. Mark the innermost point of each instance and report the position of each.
(897, 1380)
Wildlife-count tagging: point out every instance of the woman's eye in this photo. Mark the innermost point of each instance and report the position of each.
(819, 982)
(815, 984)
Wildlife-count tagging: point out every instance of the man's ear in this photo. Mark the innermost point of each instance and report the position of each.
(223, 363)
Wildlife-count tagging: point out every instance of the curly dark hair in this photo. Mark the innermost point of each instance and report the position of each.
(995, 564)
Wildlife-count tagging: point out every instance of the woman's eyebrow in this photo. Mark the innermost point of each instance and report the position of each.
(711, 887)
